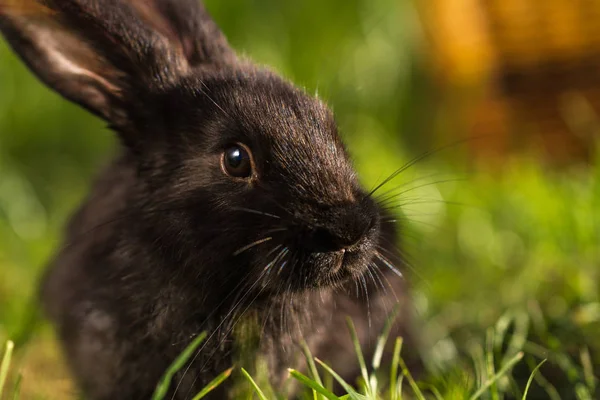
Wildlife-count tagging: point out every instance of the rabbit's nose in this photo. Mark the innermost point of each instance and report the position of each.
(342, 229)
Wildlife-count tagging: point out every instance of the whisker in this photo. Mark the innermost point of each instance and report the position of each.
(251, 245)
(252, 211)
(404, 257)
(375, 278)
(405, 184)
(399, 204)
(232, 327)
(410, 189)
(264, 272)
(283, 321)
(211, 99)
(269, 315)
(378, 283)
(379, 273)
(388, 264)
(280, 256)
(199, 350)
(406, 219)
(216, 330)
(365, 288)
(420, 158)
(404, 260)
(141, 213)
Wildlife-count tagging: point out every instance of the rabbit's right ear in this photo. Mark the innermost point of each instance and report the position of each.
(108, 55)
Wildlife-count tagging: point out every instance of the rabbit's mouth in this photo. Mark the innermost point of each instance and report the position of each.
(350, 258)
(306, 269)
(334, 268)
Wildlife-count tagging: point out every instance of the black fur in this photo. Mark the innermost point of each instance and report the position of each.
(167, 245)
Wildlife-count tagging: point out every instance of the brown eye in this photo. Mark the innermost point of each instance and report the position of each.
(236, 161)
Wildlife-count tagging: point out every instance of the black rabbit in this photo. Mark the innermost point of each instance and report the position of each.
(232, 203)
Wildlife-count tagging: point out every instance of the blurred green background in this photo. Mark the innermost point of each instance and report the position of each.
(502, 236)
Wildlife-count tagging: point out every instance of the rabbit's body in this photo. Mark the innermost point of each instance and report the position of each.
(233, 204)
(130, 332)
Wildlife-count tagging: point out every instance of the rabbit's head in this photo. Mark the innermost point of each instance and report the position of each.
(241, 175)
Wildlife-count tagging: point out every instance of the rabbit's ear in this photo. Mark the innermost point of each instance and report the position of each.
(106, 55)
(188, 26)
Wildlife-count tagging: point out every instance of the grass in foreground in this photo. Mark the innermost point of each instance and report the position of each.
(494, 372)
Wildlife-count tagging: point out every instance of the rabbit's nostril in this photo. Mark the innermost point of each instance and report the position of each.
(325, 240)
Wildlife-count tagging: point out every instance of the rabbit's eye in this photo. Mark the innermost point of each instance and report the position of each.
(236, 161)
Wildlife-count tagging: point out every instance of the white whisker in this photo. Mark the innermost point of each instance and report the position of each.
(280, 256)
(366, 289)
(251, 245)
(379, 273)
(249, 210)
(375, 278)
(388, 264)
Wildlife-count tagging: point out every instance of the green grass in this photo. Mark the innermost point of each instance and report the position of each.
(5, 365)
(163, 386)
(371, 386)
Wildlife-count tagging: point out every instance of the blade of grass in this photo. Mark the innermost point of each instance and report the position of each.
(259, 392)
(582, 392)
(478, 357)
(359, 354)
(328, 382)
(543, 382)
(588, 369)
(382, 339)
(410, 379)
(436, 393)
(353, 394)
(560, 359)
(17, 388)
(5, 364)
(311, 362)
(394, 368)
(501, 328)
(398, 389)
(381, 342)
(519, 337)
(511, 386)
(535, 370)
(511, 363)
(313, 384)
(489, 362)
(212, 385)
(163, 386)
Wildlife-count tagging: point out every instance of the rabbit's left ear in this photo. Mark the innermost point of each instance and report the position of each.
(108, 55)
